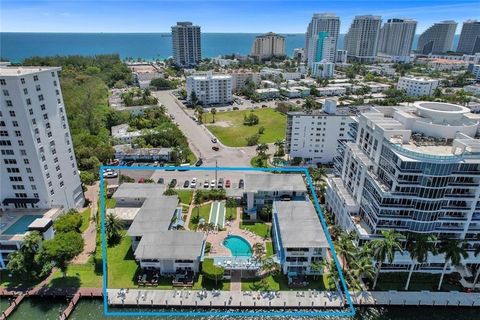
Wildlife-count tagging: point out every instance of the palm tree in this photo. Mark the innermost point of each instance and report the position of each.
(197, 200)
(344, 247)
(113, 227)
(261, 149)
(385, 248)
(199, 112)
(419, 245)
(279, 147)
(258, 249)
(331, 273)
(477, 275)
(454, 250)
(269, 266)
(213, 111)
(362, 267)
(316, 267)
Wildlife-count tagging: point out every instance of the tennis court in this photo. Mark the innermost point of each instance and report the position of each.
(217, 214)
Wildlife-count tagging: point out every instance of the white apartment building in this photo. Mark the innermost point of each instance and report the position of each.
(417, 87)
(341, 56)
(411, 169)
(267, 93)
(279, 74)
(331, 91)
(38, 166)
(186, 44)
(396, 38)
(475, 69)
(210, 88)
(295, 92)
(362, 38)
(268, 46)
(469, 42)
(313, 136)
(123, 135)
(323, 70)
(298, 237)
(321, 26)
(473, 89)
(438, 38)
(239, 79)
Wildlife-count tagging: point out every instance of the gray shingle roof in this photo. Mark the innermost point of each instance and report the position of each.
(274, 182)
(154, 216)
(139, 190)
(170, 245)
(299, 225)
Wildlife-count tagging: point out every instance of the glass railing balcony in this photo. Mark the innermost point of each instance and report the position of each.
(429, 157)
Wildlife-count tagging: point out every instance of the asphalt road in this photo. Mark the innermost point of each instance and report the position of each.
(199, 137)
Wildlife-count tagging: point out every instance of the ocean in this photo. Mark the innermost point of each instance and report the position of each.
(150, 46)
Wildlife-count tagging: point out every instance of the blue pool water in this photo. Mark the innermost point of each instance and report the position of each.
(238, 246)
(21, 225)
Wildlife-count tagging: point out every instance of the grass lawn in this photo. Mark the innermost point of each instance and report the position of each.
(204, 213)
(78, 275)
(257, 163)
(185, 196)
(231, 213)
(419, 281)
(259, 228)
(205, 283)
(233, 133)
(85, 219)
(122, 267)
(269, 245)
(280, 282)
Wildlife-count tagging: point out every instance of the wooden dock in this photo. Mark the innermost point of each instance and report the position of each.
(74, 293)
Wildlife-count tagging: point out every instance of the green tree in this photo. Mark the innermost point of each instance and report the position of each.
(262, 150)
(71, 221)
(280, 148)
(266, 213)
(454, 251)
(345, 248)
(477, 275)
(384, 249)
(63, 248)
(316, 267)
(418, 246)
(27, 262)
(213, 111)
(252, 140)
(87, 177)
(113, 228)
(193, 99)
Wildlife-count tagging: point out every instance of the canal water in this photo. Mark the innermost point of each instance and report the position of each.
(36, 308)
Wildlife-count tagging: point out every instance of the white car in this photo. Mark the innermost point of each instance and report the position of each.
(193, 183)
(110, 174)
(213, 183)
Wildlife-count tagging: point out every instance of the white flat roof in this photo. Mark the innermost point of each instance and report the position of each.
(20, 71)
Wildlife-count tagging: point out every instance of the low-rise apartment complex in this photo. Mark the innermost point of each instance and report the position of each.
(417, 87)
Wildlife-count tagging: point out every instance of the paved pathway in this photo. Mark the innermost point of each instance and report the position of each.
(90, 234)
(236, 281)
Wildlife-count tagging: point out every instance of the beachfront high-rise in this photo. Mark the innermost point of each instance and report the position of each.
(267, 46)
(438, 38)
(38, 166)
(469, 42)
(362, 38)
(321, 38)
(186, 44)
(396, 38)
(412, 169)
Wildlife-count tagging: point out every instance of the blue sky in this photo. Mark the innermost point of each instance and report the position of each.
(216, 16)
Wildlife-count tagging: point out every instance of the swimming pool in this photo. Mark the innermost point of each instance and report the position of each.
(21, 225)
(238, 246)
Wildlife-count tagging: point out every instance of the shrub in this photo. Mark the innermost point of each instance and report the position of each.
(71, 221)
(261, 130)
(252, 140)
(251, 119)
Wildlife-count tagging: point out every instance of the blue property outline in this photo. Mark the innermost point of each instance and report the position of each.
(349, 313)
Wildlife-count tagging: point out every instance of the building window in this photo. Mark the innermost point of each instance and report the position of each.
(6, 93)
(25, 91)
(12, 113)
(35, 78)
(37, 87)
(40, 97)
(42, 107)
(3, 82)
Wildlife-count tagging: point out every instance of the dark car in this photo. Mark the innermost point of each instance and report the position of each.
(241, 184)
(186, 184)
(220, 183)
(215, 148)
(160, 181)
(173, 183)
(199, 162)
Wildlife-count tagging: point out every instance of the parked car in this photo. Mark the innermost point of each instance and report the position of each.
(241, 184)
(206, 184)
(186, 184)
(170, 168)
(214, 140)
(130, 163)
(109, 173)
(160, 181)
(173, 183)
(199, 162)
(220, 183)
(213, 183)
(227, 183)
(193, 183)
(215, 148)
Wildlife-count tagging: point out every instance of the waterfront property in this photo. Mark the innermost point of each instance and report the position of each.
(298, 237)
(414, 170)
(157, 242)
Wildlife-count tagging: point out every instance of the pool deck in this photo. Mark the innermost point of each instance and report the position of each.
(216, 237)
(11, 216)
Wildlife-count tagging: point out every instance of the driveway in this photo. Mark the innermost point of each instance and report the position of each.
(199, 138)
